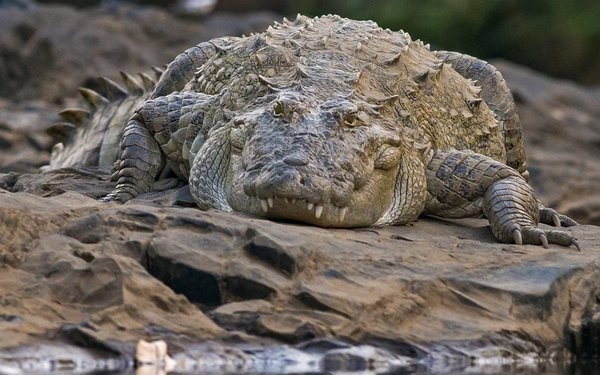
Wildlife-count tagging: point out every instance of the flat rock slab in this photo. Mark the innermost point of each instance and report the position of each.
(79, 271)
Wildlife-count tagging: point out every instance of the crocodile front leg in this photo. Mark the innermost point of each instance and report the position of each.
(139, 162)
(165, 128)
(464, 184)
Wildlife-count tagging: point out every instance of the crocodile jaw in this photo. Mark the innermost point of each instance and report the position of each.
(363, 207)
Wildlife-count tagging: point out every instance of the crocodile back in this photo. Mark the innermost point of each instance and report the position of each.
(91, 138)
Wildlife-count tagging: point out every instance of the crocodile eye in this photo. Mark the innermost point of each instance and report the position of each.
(350, 119)
(278, 109)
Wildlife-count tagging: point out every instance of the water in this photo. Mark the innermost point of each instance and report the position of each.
(324, 357)
(546, 369)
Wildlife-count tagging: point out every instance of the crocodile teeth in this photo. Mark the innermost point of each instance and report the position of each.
(309, 206)
(286, 200)
(293, 201)
(342, 213)
(318, 211)
(270, 202)
(263, 205)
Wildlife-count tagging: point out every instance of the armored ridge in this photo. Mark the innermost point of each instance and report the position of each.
(336, 123)
(91, 137)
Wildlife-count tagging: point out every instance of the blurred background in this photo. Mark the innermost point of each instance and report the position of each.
(557, 37)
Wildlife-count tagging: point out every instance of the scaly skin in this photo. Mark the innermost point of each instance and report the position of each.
(337, 123)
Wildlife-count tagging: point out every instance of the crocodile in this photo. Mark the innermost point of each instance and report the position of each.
(326, 121)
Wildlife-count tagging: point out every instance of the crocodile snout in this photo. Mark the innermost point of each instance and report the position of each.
(290, 190)
(288, 180)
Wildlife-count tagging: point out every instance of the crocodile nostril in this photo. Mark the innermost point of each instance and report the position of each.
(295, 160)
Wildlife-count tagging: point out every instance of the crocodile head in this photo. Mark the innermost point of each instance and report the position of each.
(312, 134)
(331, 163)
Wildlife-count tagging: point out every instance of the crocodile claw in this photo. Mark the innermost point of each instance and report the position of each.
(518, 237)
(556, 220)
(116, 197)
(108, 198)
(551, 217)
(530, 235)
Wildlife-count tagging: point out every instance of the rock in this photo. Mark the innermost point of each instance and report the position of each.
(47, 50)
(76, 279)
(24, 144)
(117, 273)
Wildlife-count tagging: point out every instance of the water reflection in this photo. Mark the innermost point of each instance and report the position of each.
(583, 368)
(317, 357)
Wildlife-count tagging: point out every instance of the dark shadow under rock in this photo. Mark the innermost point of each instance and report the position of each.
(268, 251)
(198, 285)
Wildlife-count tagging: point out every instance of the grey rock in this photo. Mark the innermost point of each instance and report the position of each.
(138, 270)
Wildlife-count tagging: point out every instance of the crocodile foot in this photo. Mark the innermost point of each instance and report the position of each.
(511, 207)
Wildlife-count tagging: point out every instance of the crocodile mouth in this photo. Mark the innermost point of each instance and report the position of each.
(287, 194)
(325, 196)
(299, 209)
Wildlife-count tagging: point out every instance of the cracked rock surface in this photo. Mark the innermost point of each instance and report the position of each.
(75, 267)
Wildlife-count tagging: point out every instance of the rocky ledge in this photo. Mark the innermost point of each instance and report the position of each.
(100, 276)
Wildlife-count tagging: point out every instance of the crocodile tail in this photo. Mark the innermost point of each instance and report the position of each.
(90, 137)
(499, 99)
